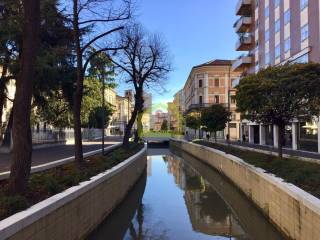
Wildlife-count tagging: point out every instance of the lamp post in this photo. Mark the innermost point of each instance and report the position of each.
(103, 112)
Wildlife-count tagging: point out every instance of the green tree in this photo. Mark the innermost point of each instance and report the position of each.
(93, 21)
(193, 121)
(280, 94)
(164, 125)
(215, 118)
(100, 117)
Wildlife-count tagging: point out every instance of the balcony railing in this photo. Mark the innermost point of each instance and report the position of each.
(244, 7)
(245, 42)
(242, 62)
(243, 24)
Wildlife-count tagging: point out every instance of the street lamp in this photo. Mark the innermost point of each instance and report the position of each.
(103, 110)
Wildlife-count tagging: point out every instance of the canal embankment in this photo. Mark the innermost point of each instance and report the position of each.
(75, 212)
(292, 210)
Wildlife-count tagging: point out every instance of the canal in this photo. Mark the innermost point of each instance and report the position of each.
(181, 198)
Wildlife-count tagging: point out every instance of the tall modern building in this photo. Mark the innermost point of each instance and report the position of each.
(273, 32)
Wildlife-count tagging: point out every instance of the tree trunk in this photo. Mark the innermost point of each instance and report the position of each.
(2, 99)
(137, 108)
(280, 139)
(22, 142)
(77, 96)
(2, 88)
(215, 137)
(7, 134)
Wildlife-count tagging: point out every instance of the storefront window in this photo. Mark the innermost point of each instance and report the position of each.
(308, 136)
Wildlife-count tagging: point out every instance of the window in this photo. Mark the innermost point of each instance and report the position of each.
(267, 35)
(267, 58)
(200, 83)
(233, 99)
(277, 26)
(216, 82)
(303, 4)
(266, 12)
(276, 3)
(200, 100)
(257, 3)
(304, 32)
(287, 45)
(287, 17)
(277, 51)
(216, 99)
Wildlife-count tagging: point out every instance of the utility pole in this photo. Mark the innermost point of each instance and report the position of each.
(229, 99)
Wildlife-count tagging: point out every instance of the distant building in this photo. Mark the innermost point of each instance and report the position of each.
(111, 98)
(122, 114)
(147, 112)
(157, 119)
(211, 83)
(176, 110)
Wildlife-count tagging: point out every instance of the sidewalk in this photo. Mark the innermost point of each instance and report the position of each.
(54, 153)
(286, 151)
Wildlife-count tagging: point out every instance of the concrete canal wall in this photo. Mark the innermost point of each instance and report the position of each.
(293, 211)
(74, 213)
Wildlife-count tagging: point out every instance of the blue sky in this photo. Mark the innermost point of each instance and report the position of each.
(196, 31)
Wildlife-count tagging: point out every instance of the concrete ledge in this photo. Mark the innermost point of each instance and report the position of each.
(46, 166)
(75, 212)
(293, 211)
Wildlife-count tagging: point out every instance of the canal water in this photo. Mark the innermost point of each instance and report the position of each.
(180, 198)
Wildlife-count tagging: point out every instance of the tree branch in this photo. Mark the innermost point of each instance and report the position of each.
(96, 53)
(100, 36)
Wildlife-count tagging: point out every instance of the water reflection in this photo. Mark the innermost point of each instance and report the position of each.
(207, 211)
(184, 199)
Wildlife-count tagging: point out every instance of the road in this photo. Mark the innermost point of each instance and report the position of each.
(53, 153)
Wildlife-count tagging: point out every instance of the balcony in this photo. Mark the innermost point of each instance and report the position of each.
(245, 42)
(242, 62)
(244, 7)
(243, 24)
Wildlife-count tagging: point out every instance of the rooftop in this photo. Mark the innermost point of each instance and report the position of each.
(216, 62)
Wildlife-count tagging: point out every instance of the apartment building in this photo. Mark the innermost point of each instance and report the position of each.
(122, 114)
(273, 32)
(212, 83)
(147, 112)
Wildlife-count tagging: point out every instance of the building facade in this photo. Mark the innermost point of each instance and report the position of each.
(273, 32)
(212, 83)
(147, 112)
(122, 114)
(157, 119)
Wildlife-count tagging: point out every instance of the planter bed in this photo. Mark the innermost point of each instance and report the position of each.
(53, 181)
(305, 175)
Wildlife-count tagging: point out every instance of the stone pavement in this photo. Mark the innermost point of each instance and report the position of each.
(54, 153)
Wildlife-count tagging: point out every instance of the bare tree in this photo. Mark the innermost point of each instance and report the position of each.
(88, 18)
(22, 143)
(145, 62)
